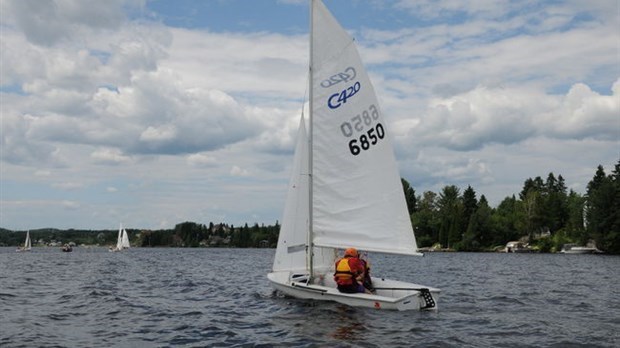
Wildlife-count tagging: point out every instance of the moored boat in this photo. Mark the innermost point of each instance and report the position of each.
(576, 249)
(517, 247)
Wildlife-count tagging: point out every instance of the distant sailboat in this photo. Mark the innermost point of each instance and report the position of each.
(27, 244)
(345, 190)
(122, 242)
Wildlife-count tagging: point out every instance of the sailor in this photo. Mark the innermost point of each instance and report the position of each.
(366, 280)
(350, 273)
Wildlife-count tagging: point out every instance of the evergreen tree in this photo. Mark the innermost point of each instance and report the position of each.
(450, 210)
(479, 229)
(600, 198)
(470, 204)
(554, 200)
(613, 237)
(410, 197)
(530, 184)
(532, 206)
(603, 209)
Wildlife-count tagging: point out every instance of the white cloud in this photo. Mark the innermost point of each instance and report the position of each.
(71, 205)
(270, 66)
(201, 160)
(238, 171)
(48, 22)
(109, 156)
(584, 113)
(510, 115)
(498, 92)
(69, 186)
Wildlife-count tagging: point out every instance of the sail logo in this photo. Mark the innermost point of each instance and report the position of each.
(337, 99)
(347, 75)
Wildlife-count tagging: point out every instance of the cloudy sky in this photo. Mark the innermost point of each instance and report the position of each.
(153, 112)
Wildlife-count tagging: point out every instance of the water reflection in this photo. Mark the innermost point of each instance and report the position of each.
(350, 327)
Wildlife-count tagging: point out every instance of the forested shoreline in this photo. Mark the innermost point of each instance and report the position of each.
(545, 215)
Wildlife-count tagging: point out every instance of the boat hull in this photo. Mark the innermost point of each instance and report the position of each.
(579, 250)
(391, 294)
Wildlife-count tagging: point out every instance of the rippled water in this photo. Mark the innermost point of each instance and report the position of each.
(221, 297)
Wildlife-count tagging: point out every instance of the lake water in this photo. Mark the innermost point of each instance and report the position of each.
(221, 298)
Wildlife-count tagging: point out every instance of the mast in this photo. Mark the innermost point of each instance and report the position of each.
(310, 244)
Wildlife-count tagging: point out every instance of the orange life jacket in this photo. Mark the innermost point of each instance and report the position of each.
(343, 274)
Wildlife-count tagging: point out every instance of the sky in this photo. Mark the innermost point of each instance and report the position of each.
(153, 112)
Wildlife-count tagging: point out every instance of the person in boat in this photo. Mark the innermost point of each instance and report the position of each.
(366, 280)
(349, 274)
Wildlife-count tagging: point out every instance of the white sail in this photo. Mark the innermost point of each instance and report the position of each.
(292, 241)
(358, 199)
(124, 240)
(119, 238)
(27, 243)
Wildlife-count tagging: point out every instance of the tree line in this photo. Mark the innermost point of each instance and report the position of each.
(545, 214)
(186, 234)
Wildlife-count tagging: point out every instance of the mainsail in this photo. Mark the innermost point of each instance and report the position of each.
(27, 243)
(125, 240)
(357, 195)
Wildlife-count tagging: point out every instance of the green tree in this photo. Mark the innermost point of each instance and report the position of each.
(505, 220)
(555, 203)
(410, 197)
(426, 220)
(603, 209)
(532, 207)
(450, 212)
(600, 197)
(480, 228)
(613, 237)
(574, 228)
(470, 204)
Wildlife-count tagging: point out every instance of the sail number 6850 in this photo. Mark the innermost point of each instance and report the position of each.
(371, 137)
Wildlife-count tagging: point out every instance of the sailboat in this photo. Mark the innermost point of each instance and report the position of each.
(27, 244)
(345, 190)
(122, 241)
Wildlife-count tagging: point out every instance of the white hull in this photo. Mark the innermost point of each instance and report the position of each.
(391, 294)
(579, 250)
